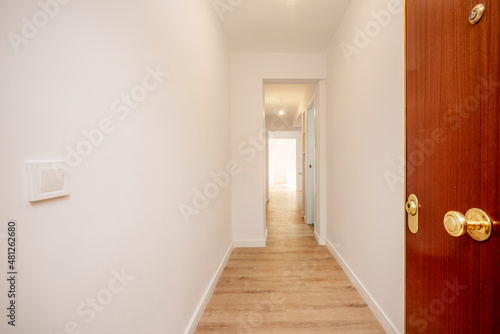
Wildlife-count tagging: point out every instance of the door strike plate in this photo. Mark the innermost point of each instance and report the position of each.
(412, 210)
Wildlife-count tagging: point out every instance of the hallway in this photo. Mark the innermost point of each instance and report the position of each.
(291, 286)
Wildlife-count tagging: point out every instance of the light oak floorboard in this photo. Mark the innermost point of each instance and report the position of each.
(293, 285)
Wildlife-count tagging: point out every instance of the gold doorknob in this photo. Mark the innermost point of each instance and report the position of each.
(475, 222)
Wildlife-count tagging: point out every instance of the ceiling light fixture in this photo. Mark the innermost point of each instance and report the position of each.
(282, 107)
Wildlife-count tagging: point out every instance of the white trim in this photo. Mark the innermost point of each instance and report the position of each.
(249, 243)
(321, 241)
(365, 294)
(195, 320)
(322, 170)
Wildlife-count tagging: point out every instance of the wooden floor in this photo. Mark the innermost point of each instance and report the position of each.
(291, 286)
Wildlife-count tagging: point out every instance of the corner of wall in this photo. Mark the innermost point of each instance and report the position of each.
(384, 320)
(195, 320)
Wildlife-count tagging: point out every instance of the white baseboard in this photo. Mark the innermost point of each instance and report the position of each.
(321, 241)
(195, 320)
(249, 243)
(368, 298)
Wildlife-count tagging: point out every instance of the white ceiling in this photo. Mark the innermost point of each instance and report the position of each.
(283, 96)
(280, 26)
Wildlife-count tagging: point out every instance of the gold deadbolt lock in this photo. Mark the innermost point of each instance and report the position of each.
(476, 14)
(412, 210)
(475, 222)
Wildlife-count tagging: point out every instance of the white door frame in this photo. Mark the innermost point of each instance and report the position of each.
(319, 97)
(310, 164)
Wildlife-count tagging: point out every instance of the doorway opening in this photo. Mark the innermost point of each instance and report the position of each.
(291, 120)
(283, 164)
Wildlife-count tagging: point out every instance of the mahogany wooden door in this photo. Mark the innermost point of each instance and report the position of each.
(452, 164)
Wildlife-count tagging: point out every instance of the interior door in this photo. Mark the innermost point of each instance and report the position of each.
(452, 165)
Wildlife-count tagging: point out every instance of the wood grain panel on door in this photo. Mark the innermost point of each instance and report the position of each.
(452, 152)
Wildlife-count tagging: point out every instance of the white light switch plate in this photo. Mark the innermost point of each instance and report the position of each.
(47, 180)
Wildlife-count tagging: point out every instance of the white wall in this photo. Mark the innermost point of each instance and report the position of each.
(248, 71)
(123, 211)
(365, 140)
(274, 123)
(317, 94)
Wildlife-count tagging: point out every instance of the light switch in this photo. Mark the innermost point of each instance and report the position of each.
(47, 180)
(50, 180)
